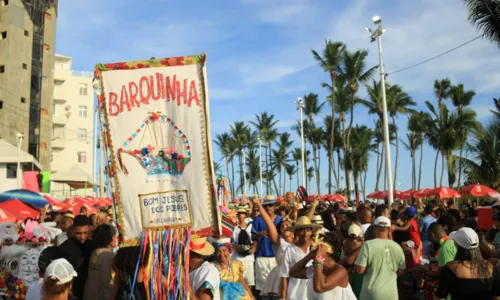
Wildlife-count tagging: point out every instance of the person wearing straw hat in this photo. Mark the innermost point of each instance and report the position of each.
(265, 253)
(244, 246)
(203, 276)
(381, 260)
(303, 230)
(318, 220)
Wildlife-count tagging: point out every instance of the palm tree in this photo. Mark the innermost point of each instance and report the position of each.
(242, 137)
(283, 143)
(398, 102)
(217, 168)
(291, 170)
(418, 123)
(312, 107)
(484, 166)
(484, 14)
(359, 152)
(461, 99)
(227, 148)
(266, 128)
(497, 106)
(442, 90)
(310, 176)
(253, 169)
(297, 157)
(315, 139)
(444, 134)
(412, 145)
(330, 61)
(355, 72)
(330, 155)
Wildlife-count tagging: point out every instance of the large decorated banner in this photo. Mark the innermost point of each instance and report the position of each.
(155, 120)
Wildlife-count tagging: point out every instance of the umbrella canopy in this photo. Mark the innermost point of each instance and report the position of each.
(6, 216)
(478, 190)
(423, 193)
(56, 204)
(374, 195)
(337, 198)
(443, 192)
(383, 194)
(77, 206)
(406, 194)
(75, 177)
(26, 196)
(19, 209)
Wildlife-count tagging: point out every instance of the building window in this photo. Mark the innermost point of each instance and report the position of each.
(23, 100)
(82, 111)
(11, 171)
(82, 134)
(26, 33)
(1, 104)
(83, 89)
(3, 34)
(48, 16)
(82, 157)
(46, 47)
(25, 66)
(2, 69)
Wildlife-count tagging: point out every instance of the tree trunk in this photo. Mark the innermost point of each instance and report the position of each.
(275, 186)
(228, 176)
(435, 168)
(316, 167)
(379, 172)
(442, 170)
(291, 182)
(364, 185)
(339, 159)
(459, 183)
(268, 166)
(284, 182)
(413, 174)
(335, 176)
(319, 174)
(332, 135)
(421, 159)
(232, 180)
(397, 155)
(298, 183)
(356, 187)
(329, 173)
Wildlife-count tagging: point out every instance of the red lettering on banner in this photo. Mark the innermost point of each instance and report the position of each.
(144, 85)
(124, 99)
(113, 107)
(193, 94)
(159, 84)
(181, 93)
(133, 91)
(171, 88)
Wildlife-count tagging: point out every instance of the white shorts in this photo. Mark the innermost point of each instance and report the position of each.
(248, 272)
(263, 266)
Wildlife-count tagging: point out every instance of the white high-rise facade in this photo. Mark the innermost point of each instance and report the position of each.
(73, 120)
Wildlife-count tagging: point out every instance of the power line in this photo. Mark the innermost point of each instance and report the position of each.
(432, 58)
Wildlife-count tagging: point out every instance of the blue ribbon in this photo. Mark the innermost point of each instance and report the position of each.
(232, 290)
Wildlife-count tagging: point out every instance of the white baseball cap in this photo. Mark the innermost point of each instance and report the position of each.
(466, 238)
(354, 231)
(382, 222)
(60, 270)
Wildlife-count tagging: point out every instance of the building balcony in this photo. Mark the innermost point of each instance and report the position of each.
(58, 143)
(61, 75)
(59, 120)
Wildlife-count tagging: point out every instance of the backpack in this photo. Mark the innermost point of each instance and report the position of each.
(244, 242)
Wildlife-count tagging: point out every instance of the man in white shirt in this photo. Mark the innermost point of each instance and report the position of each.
(203, 276)
(294, 288)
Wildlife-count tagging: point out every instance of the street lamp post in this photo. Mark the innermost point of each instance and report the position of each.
(244, 173)
(260, 165)
(300, 107)
(376, 35)
(19, 172)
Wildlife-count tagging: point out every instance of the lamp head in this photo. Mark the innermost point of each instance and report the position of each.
(368, 29)
(19, 135)
(377, 20)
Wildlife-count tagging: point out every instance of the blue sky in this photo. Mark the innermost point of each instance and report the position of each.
(259, 51)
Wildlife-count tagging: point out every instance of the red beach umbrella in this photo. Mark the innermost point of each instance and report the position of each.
(478, 190)
(443, 192)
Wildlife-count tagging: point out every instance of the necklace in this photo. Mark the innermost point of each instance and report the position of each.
(229, 270)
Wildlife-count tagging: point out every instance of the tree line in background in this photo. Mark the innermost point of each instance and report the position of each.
(470, 151)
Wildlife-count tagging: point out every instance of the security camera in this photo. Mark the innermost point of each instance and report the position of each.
(19, 135)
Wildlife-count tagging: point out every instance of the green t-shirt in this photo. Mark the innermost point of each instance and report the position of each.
(447, 253)
(382, 259)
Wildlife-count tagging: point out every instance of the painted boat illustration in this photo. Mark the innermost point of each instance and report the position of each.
(163, 149)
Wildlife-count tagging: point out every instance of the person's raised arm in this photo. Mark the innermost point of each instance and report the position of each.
(312, 209)
(299, 270)
(272, 232)
(322, 283)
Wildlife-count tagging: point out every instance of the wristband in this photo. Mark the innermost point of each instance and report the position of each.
(319, 258)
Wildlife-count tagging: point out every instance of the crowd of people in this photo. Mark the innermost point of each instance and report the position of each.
(286, 249)
(293, 250)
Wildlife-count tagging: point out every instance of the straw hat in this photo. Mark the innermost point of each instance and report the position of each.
(304, 222)
(201, 246)
(269, 200)
(242, 209)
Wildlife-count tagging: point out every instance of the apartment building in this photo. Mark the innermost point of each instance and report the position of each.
(72, 119)
(27, 41)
